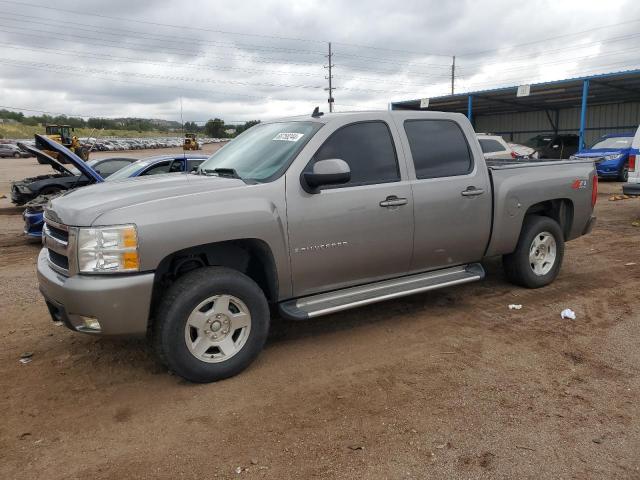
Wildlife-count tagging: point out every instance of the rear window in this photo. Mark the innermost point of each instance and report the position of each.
(489, 145)
(439, 148)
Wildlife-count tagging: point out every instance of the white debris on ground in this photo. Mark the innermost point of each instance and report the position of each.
(515, 306)
(568, 313)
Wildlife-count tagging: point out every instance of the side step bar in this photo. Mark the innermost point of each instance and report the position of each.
(325, 303)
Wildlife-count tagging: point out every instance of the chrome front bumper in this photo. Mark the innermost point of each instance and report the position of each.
(120, 303)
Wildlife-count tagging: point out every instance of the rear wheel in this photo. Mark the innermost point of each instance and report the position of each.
(623, 176)
(211, 324)
(537, 258)
(16, 155)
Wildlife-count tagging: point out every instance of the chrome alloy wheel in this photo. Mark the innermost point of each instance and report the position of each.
(542, 254)
(217, 328)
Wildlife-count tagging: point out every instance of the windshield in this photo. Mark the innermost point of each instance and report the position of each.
(614, 143)
(263, 151)
(127, 171)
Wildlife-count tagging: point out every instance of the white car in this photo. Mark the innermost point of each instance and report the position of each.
(523, 151)
(632, 187)
(494, 146)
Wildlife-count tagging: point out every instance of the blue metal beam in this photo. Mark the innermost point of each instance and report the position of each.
(470, 108)
(583, 112)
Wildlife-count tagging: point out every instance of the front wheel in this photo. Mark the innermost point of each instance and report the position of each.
(211, 324)
(537, 258)
(16, 155)
(623, 175)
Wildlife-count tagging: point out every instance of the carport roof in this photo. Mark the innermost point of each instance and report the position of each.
(605, 88)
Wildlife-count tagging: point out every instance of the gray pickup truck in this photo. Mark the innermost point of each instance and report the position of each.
(310, 215)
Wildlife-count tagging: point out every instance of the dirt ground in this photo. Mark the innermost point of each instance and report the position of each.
(447, 384)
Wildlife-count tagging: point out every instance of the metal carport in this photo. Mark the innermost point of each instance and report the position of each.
(590, 106)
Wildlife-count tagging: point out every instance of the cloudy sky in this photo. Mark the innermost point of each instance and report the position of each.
(263, 59)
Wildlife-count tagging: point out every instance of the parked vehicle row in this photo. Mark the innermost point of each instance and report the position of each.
(108, 145)
(311, 215)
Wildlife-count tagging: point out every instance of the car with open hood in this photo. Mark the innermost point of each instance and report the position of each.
(53, 185)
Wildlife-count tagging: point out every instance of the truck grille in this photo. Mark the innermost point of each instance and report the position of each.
(55, 238)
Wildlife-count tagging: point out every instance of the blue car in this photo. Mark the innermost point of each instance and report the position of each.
(33, 215)
(611, 155)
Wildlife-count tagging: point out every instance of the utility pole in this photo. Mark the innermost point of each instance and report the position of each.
(330, 78)
(453, 74)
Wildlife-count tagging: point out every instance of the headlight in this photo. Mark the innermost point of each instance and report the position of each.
(615, 156)
(108, 249)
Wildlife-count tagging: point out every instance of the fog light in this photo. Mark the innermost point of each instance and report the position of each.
(90, 323)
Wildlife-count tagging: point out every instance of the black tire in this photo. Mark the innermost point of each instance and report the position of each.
(16, 155)
(182, 298)
(623, 176)
(517, 266)
(83, 153)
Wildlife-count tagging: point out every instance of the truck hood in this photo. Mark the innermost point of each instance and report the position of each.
(45, 143)
(81, 207)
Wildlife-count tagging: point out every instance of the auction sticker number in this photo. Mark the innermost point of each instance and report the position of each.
(289, 137)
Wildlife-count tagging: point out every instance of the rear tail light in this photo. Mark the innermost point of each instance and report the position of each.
(632, 163)
(514, 154)
(594, 190)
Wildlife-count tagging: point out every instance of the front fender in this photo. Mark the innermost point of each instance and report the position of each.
(172, 224)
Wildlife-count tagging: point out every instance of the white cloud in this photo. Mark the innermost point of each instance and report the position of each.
(57, 61)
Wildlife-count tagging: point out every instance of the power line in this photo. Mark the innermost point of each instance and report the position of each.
(155, 37)
(120, 45)
(107, 57)
(158, 24)
(602, 27)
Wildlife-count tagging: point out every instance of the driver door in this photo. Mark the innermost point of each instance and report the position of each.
(350, 234)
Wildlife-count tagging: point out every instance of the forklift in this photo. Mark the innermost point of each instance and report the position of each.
(63, 135)
(190, 142)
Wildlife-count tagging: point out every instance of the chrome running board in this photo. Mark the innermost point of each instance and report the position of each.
(336, 301)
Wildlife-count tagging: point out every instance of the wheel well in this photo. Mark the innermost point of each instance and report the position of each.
(252, 257)
(561, 210)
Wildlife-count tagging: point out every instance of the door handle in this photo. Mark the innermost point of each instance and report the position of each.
(472, 192)
(393, 201)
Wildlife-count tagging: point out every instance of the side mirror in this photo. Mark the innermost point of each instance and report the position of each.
(332, 171)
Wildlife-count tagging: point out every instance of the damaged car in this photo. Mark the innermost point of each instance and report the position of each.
(65, 178)
(33, 216)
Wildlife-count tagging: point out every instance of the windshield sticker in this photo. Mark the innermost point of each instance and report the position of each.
(289, 137)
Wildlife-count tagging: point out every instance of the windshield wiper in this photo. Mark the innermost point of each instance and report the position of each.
(222, 172)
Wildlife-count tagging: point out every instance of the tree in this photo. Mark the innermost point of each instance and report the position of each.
(215, 128)
(246, 126)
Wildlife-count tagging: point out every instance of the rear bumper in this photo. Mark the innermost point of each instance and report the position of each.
(119, 303)
(631, 188)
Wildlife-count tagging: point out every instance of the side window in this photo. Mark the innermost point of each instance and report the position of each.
(108, 167)
(162, 167)
(368, 149)
(177, 166)
(489, 146)
(193, 164)
(439, 148)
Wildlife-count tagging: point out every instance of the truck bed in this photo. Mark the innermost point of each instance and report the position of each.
(520, 186)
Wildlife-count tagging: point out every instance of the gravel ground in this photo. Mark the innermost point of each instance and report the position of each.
(447, 384)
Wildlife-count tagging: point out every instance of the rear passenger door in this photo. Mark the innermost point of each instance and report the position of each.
(357, 232)
(451, 191)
